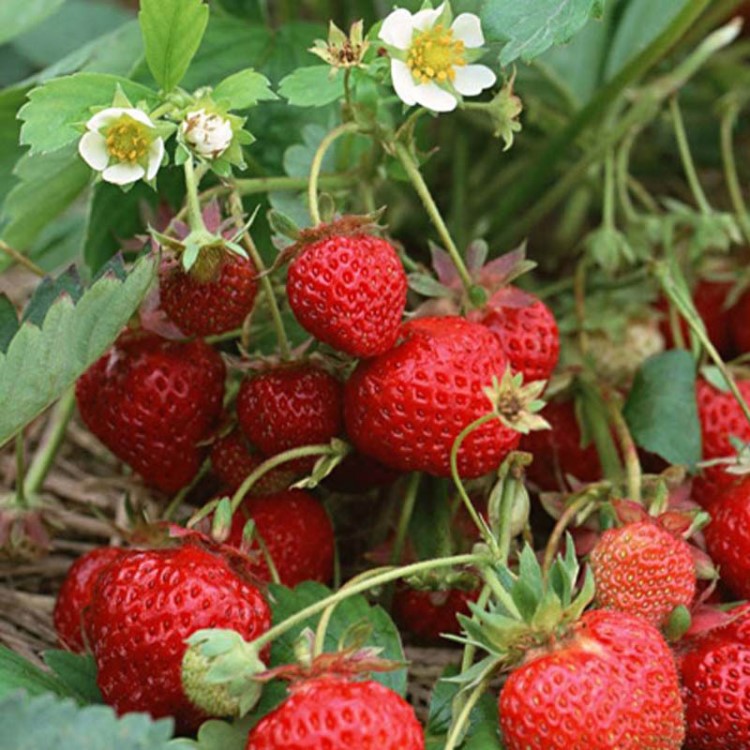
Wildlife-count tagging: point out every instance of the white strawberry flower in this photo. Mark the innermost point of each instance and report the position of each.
(432, 57)
(123, 144)
(208, 134)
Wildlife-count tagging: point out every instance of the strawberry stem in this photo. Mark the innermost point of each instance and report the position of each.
(17, 257)
(317, 164)
(687, 158)
(20, 469)
(633, 472)
(553, 543)
(195, 215)
(460, 724)
(407, 510)
(728, 123)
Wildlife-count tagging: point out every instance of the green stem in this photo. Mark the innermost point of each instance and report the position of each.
(407, 510)
(45, 455)
(415, 176)
(195, 215)
(386, 576)
(470, 650)
(21, 469)
(608, 217)
(162, 110)
(256, 185)
(633, 471)
(179, 498)
(505, 513)
(622, 170)
(728, 122)
(687, 158)
(553, 543)
(317, 164)
(235, 203)
(20, 258)
(459, 726)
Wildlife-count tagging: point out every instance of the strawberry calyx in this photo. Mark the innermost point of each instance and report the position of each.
(516, 404)
(24, 529)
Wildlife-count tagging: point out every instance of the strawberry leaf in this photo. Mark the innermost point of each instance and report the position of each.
(8, 322)
(312, 87)
(77, 672)
(15, 18)
(244, 89)
(16, 673)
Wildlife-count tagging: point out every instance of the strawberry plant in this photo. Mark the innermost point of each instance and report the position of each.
(374, 375)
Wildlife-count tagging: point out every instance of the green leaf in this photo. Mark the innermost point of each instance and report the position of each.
(354, 610)
(172, 32)
(8, 322)
(244, 89)
(68, 283)
(218, 735)
(312, 87)
(48, 722)
(15, 18)
(77, 672)
(528, 29)
(49, 184)
(41, 363)
(55, 111)
(661, 409)
(16, 673)
(11, 101)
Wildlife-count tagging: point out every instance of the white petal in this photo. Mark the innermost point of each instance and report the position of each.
(403, 82)
(397, 29)
(123, 174)
(471, 80)
(431, 96)
(141, 116)
(155, 156)
(468, 28)
(425, 19)
(105, 117)
(93, 150)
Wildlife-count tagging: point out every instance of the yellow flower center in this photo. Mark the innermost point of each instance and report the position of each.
(128, 140)
(434, 54)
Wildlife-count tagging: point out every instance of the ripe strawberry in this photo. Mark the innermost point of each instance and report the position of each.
(430, 614)
(297, 533)
(528, 331)
(739, 316)
(643, 569)
(721, 417)
(215, 296)
(152, 402)
(75, 595)
(557, 452)
(349, 292)
(288, 406)
(233, 462)
(146, 604)
(407, 406)
(715, 670)
(359, 473)
(728, 537)
(610, 683)
(338, 713)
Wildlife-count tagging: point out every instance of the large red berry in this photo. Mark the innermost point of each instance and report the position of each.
(430, 614)
(75, 595)
(739, 324)
(349, 292)
(204, 302)
(146, 604)
(407, 406)
(152, 402)
(337, 713)
(289, 406)
(715, 669)
(557, 452)
(528, 331)
(297, 534)
(643, 569)
(728, 536)
(610, 685)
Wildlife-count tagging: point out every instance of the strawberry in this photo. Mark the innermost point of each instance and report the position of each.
(739, 316)
(288, 406)
(715, 671)
(430, 614)
(349, 292)
(75, 595)
(728, 536)
(359, 473)
(609, 683)
(152, 402)
(643, 569)
(338, 713)
(233, 462)
(557, 452)
(406, 407)
(215, 296)
(144, 606)
(528, 331)
(296, 531)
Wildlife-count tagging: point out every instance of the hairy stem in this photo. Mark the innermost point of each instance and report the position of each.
(687, 157)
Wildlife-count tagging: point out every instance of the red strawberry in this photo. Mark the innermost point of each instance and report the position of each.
(337, 713)
(721, 417)
(288, 406)
(360, 473)
(297, 533)
(407, 406)
(643, 569)
(528, 331)
(715, 669)
(215, 296)
(739, 318)
(610, 683)
(233, 462)
(75, 595)
(349, 292)
(557, 452)
(430, 614)
(143, 608)
(152, 402)
(728, 537)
